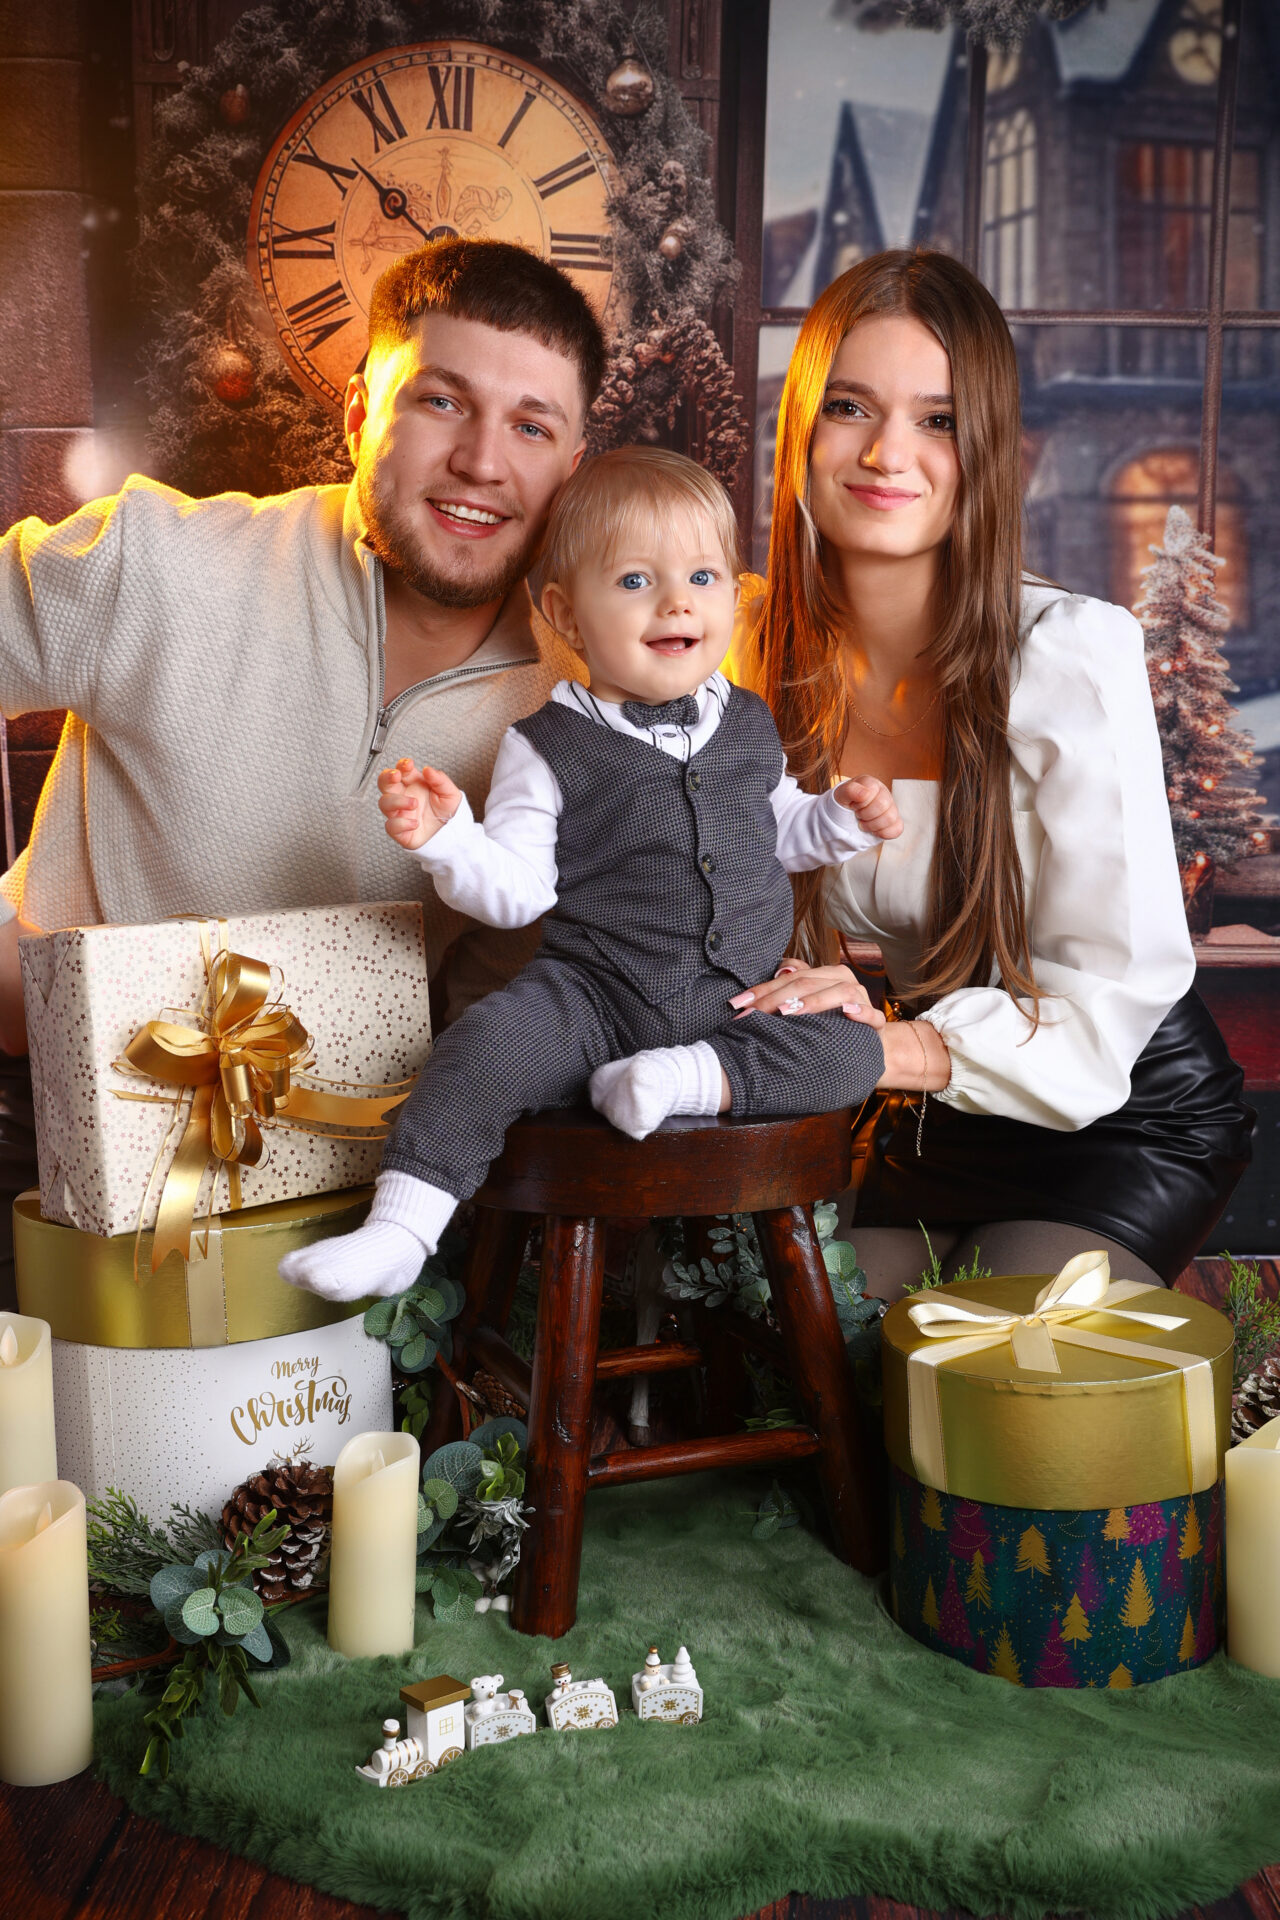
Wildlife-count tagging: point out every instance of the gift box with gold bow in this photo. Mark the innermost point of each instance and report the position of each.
(197, 1065)
(1056, 1450)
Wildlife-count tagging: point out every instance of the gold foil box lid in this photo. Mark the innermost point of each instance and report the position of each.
(440, 1691)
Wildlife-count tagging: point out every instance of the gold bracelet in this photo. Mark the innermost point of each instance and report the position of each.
(924, 1090)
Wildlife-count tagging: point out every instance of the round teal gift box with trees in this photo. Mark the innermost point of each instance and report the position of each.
(1056, 1496)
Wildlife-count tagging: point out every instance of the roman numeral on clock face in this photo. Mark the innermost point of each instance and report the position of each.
(306, 156)
(385, 132)
(452, 114)
(583, 251)
(567, 174)
(291, 243)
(311, 316)
(517, 117)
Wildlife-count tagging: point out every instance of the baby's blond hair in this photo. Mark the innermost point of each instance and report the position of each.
(625, 491)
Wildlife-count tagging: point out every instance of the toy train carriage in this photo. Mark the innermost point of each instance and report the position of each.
(579, 1704)
(435, 1716)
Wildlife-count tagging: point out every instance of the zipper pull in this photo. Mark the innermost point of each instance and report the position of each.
(379, 733)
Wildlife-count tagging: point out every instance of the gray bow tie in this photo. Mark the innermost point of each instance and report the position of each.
(669, 713)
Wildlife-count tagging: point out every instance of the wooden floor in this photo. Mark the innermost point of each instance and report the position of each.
(72, 1852)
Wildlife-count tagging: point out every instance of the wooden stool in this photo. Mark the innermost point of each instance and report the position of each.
(577, 1171)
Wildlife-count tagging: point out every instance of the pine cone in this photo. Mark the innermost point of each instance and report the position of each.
(495, 1398)
(1258, 1400)
(302, 1495)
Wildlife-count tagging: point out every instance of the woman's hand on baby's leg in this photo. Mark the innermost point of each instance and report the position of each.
(797, 988)
(873, 804)
(416, 802)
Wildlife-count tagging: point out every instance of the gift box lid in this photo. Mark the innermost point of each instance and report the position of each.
(84, 1284)
(1135, 1413)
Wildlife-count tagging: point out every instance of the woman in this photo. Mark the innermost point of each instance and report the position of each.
(1030, 916)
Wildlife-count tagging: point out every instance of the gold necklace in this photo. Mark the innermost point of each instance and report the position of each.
(901, 732)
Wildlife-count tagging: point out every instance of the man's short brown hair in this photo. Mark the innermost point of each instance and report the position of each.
(500, 286)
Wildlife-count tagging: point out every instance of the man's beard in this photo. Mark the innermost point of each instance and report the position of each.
(398, 547)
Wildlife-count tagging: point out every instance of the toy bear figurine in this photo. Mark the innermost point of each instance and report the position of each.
(494, 1716)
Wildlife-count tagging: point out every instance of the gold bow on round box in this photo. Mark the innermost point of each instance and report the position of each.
(235, 1075)
(1076, 1392)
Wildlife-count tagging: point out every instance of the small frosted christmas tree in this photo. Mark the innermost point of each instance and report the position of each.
(1211, 803)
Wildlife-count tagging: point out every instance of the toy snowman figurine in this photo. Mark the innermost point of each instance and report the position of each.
(579, 1703)
(494, 1716)
(668, 1693)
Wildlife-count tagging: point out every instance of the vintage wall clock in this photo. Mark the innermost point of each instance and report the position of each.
(444, 138)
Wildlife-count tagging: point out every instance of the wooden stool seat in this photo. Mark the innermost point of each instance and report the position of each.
(578, 1172)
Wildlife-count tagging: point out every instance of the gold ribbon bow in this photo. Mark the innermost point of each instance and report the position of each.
(1084, 1286)
(240, 1070)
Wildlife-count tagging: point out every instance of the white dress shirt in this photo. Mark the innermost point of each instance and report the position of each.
(504, 871)
(1107, 928)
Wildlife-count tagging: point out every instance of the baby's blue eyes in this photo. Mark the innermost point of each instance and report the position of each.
(633, 582)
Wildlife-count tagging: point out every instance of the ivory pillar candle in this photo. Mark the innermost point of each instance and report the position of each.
(1253, 1550)
(46, 1702)
(27, 1450)
(374, 1555)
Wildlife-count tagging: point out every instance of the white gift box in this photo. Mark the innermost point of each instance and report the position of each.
(185, 1425)
(354, 976)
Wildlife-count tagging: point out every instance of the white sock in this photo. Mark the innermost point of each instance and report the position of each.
(638, 1094)
(385, 1255)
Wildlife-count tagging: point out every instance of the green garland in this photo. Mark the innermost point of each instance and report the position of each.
(195, 210)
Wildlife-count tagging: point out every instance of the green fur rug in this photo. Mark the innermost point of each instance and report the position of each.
(837, 1757)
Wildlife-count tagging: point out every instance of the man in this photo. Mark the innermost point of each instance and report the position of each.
(243, 667)
(251, 663)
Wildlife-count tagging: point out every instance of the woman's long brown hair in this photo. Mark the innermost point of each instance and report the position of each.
(977, 915)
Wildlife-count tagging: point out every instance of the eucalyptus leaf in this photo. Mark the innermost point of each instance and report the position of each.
(460, 1463)
(413, 1354)
(446, 1589)
(764, 1529)
(453, 1613)
(442, 1495)
(430, 1303)
(171, 1586)
(485, 1437)
(263, 1647)
(214, 1560)
(378, 1318)
(241, 1610)
(177, 1626)
(199, 1612)
(429, 1534)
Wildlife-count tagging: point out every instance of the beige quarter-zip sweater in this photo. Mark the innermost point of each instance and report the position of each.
(222, 663)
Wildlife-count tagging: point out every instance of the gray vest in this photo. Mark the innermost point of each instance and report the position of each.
(667, 869)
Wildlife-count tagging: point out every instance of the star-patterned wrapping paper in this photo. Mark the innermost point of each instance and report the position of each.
(355, 976)
(1105, 1597)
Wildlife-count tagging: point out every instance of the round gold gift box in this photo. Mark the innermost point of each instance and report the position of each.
(85, 1286)
(1108, 1431)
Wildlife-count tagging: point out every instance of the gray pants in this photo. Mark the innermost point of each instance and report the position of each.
(536, 1043)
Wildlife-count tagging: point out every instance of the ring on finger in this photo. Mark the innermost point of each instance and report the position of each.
(793, 1005)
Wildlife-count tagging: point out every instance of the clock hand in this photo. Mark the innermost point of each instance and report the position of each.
(394, 201)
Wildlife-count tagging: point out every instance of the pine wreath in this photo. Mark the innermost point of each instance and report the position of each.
(225, 412)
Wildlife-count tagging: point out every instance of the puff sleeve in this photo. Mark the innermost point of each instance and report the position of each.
(1108, 932)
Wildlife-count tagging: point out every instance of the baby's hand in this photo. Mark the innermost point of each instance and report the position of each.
(873, 803)
(416, 802)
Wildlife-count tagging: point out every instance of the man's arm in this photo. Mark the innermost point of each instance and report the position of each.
(60, 594)
(13, 1023)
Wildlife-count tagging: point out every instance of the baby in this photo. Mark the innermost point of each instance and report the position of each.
(650, 817)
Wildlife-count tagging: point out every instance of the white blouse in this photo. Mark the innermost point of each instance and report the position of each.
(1107, 928)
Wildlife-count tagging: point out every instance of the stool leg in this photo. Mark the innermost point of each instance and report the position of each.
(564, 1371)
(490, 1275)
(824, 1380)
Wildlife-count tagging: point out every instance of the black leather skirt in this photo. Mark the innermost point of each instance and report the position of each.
(1155, 1175)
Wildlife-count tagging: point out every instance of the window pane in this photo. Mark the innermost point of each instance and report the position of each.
(775, 351)
(1106, 448)
(1250, 581)
(1113, 125)
(864, 144)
